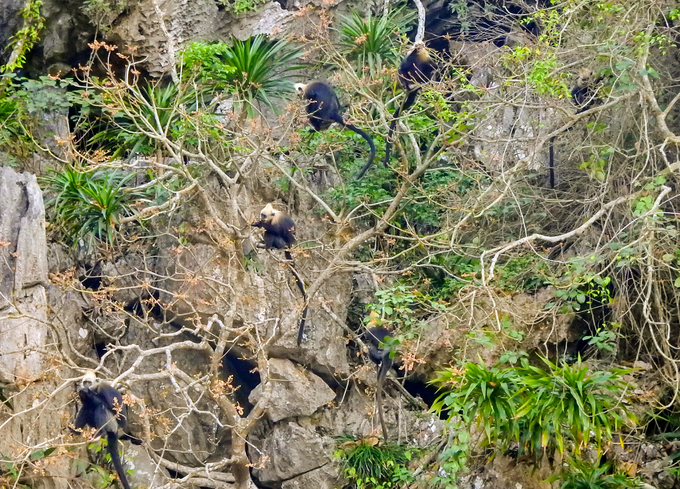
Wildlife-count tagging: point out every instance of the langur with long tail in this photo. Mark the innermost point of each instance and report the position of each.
(415, 70)
(279, 234)
(104, 410)
(323, 109)
(381, 355)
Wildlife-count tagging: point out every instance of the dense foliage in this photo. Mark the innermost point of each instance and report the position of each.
(535, 293)
(536, 409)
(368, 465)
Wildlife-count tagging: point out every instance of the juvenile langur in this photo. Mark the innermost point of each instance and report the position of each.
(585, 93)
(382, 357)
(415, 70)
(323, 109)
(279, 234)
(103, 409)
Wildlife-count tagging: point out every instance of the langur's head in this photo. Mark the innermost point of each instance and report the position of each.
(300, 89)
(267, 214)
(422, 54)
(90, 380)
(585, 76)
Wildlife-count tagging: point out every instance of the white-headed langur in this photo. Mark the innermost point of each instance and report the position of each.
(382, 355)
(103, 409)
(415, 70)
(279, 234)
(323, 109)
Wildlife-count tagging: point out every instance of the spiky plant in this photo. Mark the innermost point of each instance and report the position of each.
(263, 68)
(126, 128)
(582, 474)
(372, 43)
(89, 205)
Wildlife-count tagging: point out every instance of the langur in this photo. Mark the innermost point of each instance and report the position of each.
(584, 95)
(381, 355)
(279, 234)
(103, 409)
(415, 70)
(323, 109)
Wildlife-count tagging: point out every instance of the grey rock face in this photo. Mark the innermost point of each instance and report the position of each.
(326, 477)
(22, 231)
(25, 371)
(296, 392)
(23, 274)
(159, 29)
(64, 38)
(289, 451)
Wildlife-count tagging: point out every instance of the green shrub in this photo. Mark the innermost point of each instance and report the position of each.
(485, 396)
(130, 122)
(402, 306)
(89, 206)
(240, 6)
(368, 465)
(558, 408)
(373, 42)
(22, 100)
(582, 474)
(11, 130)
(204, 63)
(257, 69)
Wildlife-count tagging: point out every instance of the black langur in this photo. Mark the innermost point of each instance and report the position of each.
(323, 109)
(103, 409)
(279, 234)
(584, 95)
(415, 70)
(381, 354)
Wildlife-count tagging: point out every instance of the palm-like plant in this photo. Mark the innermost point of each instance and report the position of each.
(89, 205)
(373, 42)
(486, 395)
(585, 475)
(372, 466)
(569, 400)
(145, 111)
(262, 68)
(539, 409)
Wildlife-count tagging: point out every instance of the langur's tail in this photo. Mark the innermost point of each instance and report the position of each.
(131, 438)
(112, 440)
(369, 140)
(551, 161)
(382, 373)
(301, 286)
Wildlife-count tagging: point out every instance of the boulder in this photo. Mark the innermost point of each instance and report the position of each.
(289, 451)
(296, 391)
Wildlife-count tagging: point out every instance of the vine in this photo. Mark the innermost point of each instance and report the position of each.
(24, 40)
